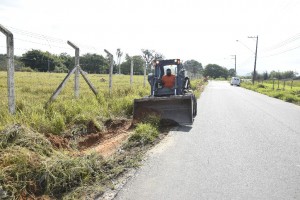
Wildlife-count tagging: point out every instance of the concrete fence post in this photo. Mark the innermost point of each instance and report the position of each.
(145, 74)
(10, 69)
(131, 73)
(77, 71)
(110, 70)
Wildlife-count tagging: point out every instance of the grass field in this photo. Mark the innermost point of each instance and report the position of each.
(288, 91)
(31, 167)
(33, 90)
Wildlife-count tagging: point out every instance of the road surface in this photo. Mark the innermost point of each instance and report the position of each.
(242, 145)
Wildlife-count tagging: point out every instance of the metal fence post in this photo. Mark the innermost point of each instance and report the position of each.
(77, 71)
(10, 69)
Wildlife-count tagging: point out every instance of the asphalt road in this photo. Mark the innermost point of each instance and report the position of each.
(242, 145)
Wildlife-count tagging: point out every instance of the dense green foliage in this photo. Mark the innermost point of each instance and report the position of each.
(276, 75)
(215, 71)
(93, 63)
(193, 66)
(138, 65)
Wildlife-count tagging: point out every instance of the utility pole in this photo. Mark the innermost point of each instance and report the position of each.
(234, 63)
(254, 72)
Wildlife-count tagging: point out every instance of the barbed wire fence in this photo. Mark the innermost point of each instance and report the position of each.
(52, 45)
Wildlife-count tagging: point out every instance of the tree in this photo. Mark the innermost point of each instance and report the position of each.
(231, 72)
(41, 61)
(283, 75)
(215, 71)
(148, 56)
(138, 64)
(119, 55)
(3, 62)
(67, 60)
(193, 66)
(94, 63)
(265, 75)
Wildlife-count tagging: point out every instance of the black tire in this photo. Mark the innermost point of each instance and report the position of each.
(195, 106)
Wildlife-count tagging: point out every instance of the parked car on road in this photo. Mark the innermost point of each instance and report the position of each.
(235, 81)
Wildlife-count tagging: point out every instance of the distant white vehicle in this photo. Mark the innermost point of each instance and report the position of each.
(235, 81)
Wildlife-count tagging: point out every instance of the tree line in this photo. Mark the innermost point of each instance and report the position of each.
(43, 61)
(277, 75)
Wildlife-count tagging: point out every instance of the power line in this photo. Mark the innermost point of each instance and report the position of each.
(281, 52)
(285, 42)
(48, 39)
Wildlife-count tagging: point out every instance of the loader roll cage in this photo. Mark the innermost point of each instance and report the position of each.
(181, 81)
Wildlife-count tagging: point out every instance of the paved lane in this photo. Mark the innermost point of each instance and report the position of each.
(243, 145)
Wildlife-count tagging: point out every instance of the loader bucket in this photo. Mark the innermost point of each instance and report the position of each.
(175, 108)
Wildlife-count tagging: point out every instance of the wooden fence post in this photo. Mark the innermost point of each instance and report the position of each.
(273, 83)
(10, 69)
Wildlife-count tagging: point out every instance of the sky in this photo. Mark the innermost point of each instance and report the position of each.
(209, 31)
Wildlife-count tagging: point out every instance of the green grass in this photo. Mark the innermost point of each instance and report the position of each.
(29, 164)
(33, 90)
(286, 93)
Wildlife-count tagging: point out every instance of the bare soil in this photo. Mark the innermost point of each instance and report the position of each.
(105, 142)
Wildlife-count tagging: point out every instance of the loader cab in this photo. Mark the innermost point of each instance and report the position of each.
(160, 70)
